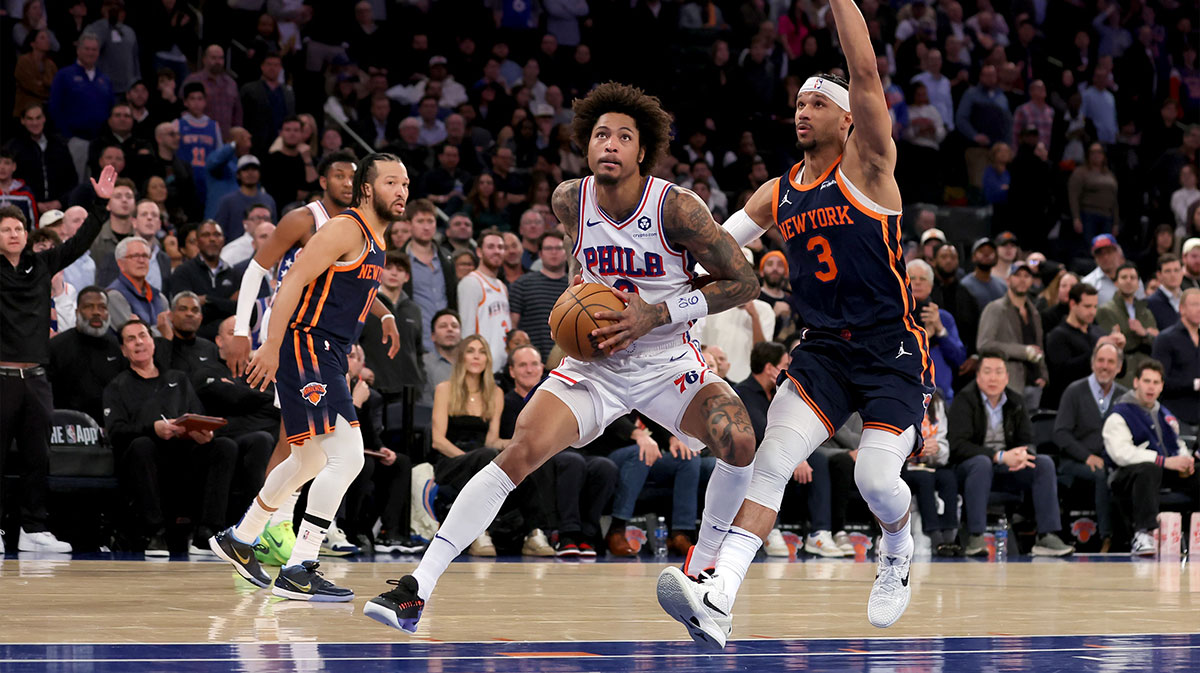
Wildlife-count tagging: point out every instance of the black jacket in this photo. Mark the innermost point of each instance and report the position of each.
(1180, 359)
(1077, 428)
(48, 174)
(25, 292)
(968, 424)
(247, 409)
(217, 292)
(186, 355)
(1068, 358)
(132, 404)
(392, 375)
(80, 367)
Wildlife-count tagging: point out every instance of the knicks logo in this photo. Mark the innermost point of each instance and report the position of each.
(313, 392)
(1083, 529)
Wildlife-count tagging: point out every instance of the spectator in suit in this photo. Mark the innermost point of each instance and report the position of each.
(379, 126)
(179, 348)
(86, 357)
(1012, 326)
(1131, 315)
(1164, 302)
(1141, 439)
(266, 103)
(43, 160)
(433, 284)
(1178, 349)
(990, 436)
(210, 277)
(1085, 404)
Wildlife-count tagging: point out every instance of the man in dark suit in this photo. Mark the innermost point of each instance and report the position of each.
(1081, 413)
(1164, 302)
(379, 124)
(266, 103)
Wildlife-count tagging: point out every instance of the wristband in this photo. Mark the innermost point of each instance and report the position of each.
(688, 307)
(1000, 458)
(386, 317)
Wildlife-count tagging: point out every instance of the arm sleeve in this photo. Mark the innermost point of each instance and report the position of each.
(217, 163)
(248, 294)
(1118, 443)
(1023, 433)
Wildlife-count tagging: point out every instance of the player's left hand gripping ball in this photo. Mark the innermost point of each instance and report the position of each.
(634, 322)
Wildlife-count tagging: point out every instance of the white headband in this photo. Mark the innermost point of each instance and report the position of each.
(830, 89)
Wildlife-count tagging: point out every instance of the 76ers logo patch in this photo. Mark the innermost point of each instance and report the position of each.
(313, 392)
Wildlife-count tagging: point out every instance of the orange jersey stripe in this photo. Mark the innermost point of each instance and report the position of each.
(812, 405)
(321, 301)
(883, 426)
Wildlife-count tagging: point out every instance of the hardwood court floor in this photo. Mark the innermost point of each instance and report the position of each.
(47, 601)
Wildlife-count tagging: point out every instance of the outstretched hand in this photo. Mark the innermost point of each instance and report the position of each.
(104, 186)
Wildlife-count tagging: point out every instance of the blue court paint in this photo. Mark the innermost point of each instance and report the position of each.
(1044, 654)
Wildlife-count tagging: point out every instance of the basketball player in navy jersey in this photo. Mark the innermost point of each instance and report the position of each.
(641, 236)
(861, 350)
(336, 176)
(317, 316)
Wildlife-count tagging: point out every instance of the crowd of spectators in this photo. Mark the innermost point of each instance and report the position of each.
(1073, 126)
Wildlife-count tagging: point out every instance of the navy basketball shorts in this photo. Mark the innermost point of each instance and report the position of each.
(311, 386)
(884, 373)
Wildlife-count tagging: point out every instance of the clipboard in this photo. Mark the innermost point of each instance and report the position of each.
(198, 422)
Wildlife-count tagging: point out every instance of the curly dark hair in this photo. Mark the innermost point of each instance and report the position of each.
(652, 122)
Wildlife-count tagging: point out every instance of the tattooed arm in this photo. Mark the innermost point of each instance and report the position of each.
(565, 203)
(688, 224)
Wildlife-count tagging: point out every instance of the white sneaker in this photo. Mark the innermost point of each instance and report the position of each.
(821, 543)
(482, 546)
(43, 541)
(842, 540)
(1143, 544)
(891, 592)
(1, 543)
(775, 545)
(701, 606)
(536, 544)
(336, 543)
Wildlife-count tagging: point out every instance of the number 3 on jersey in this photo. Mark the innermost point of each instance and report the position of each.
(825, 257)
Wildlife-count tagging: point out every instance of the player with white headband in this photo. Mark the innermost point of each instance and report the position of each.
(838, 212)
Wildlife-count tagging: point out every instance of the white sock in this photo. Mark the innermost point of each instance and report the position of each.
(473, 511)
(308, 540)
(899, 543)
(286, 509)
(722, 500)
(737, 553)
(252, 524)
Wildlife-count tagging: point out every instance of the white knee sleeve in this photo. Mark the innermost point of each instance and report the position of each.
(793, 433)
(343, 449)
(303, 464)
(881, 456)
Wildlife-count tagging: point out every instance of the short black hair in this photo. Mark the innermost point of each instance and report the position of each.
(766, 353)
(652, 122)
(983, 355)
(250, 208)
(1128, 265)
(439, 314)
(91, 289)
(191, 88)
(1075, 294)
(1149, 364)
(1166, 259)
(366, 172)
(553, 233)
(132, 321)
(6, 153)
(397, 258)
(338, 157)
(8, 211)
(291, 118)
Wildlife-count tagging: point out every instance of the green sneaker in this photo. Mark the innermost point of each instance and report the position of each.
(275, 544)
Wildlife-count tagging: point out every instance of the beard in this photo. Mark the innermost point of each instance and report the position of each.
(337, 201)
(383, 209)
(606, 179)
(986, 266)
(1018, 293)
(85, 327)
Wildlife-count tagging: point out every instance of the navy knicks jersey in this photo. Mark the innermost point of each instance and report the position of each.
(335, 305)
(846, 263)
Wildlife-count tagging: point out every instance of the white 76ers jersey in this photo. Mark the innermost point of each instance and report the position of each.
(634, 255)
(320, 217)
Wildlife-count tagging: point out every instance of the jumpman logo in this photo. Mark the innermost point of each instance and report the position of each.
(902, 351)
(785, 199)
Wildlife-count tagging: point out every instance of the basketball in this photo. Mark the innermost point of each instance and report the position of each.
(572, 319)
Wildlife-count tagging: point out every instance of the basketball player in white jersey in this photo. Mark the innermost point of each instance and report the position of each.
(336, 176)
(483, 298)
(641, 236)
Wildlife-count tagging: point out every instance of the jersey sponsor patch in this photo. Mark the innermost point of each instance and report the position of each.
(313, 392)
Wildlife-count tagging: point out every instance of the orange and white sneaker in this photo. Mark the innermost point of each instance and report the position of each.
(821, 543)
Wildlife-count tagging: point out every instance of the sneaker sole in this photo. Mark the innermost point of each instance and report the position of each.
(241, 570)
(820, 551)
(907, 599)
(677, 601)
(157, 553)
(335, 552)
(386, 616)
(1044, 551)
(314, 598)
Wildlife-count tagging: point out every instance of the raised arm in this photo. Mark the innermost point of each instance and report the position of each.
(872, 137)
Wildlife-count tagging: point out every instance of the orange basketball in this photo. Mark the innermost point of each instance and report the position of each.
(572, 319)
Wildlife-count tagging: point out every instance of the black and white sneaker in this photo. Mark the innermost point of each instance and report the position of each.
(399, 608)
(891, 593)
(699, 604)
(241, 555)
(156, 546)
(305, 583)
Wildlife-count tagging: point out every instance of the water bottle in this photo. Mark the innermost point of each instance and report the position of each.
(1002, 540)
(660, 538)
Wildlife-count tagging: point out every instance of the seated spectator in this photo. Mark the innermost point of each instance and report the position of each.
(989, 437)
(82, 272)
(1164, 302)
(1141, 438)
(119, 132)
(130, 295)
(210, 277)
(583, 483)
(159, 462)
(466, 436)
(934, 483)
(86, 357)
(532, 296)
(644, 461)
(982, 286)
(716, 359)
(1178, 349)
(1085, 404)
(1191, 260)
(121, 209)
(945, 347)
(842, 452)
(1131, 316)
(1069, 347)
(179, 348)
(61, 294)
(242, 248)
(773, 270)
(1109, 257)
(438, 363)
(232, 209)
(1013, 327)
